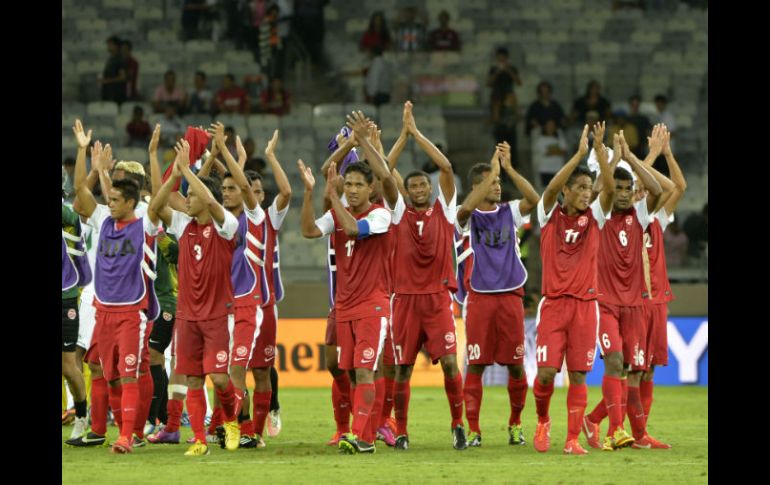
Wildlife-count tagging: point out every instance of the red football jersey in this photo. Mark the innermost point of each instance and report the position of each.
(205, 257)
(621, 272)
(568, 248)
(274, 222)
(653, 242)
(362, 265)
(424, 260)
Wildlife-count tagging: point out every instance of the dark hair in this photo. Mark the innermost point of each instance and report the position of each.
(271, 8)
(363, 169)
(502, 50)
(138, 109)
(170, 71)
(476, 173)
(230, 77)
(662, 98)
(590, 84)
(128, 44)
(415, 173)
(252, 175)
(128, 188)
(580, 170)
(544, 83)
(69, 162)
(201, 74)
(635, 97)
(114, 39)
(214, 186)
(623, 174)
(444, 13)
(231, 129)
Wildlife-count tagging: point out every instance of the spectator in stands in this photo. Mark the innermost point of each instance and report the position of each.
(231, 98)
(169, 93)
(308, 23)
(132, 69)
(620, 122)
(192, 12)
(665, 116)
(255, 14)
(591, 101)
(138, 129)
(253, 163)
(410, 29)
(641, 122)
(501, 78)
(675, 243)
(172, 128)
(377, 35)
(271, 50)
(275, 99)
(443, 38)
(697, 229)
(544, 109)
(378, 78)
(505, 115)
(549, 151)
(68, 179)
(115, 73)
(201, 96)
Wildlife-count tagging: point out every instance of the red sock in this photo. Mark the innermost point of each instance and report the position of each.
(238, 394)
(645, 390)
(623, 397)
(453, 386)
(379, 399)
(115, 397)
(636, 413)
(517, 396)
(472, 393)
(174, 409)
(402, 392)
(196, 410)
(129, 402)
(341, 402)
(227, 400)
(217, 419)
(387, 403)
(577, 399)
(599, 413)
(612, 389)
(362, 408)
(261, 410)
(146, 390)
(247, 427)
(99, 403)
(543, 395)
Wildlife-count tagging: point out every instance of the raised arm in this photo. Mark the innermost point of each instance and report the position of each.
(307, 216)
(159, 203)
(156, 177)
(551, 192)
(617, 151)
(676, 176)
(183, 162)
(446, 178)
(241, 151)
(360, 126)
(478, 193)
(531, 197)
(666, 186)
(398, 146)
(339, 154)
(607, 195)
(218, 131)
(284, 188)
(345, 218)
(106, 163)
(86, 203)
(211, 161)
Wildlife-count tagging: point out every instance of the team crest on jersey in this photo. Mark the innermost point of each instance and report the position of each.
(222, 356)
(429, 212)
(207, 232)
(590, 357)
(269, 350)
(582, 221)
(167, 316)
(450, 337)
(519, 350)
(629, 220)
(241, 351)
(130, 359)
(369, 353)
(72, 314)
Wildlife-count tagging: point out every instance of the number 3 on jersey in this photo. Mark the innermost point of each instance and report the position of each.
(198, 254)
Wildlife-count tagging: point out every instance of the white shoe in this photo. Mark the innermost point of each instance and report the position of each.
(80, 427)
(274, 423)
(149, 428)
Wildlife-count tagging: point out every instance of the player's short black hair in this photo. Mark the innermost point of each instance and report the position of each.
(416, 173)
(128, 188)
(580, 170)
(635, 97)
(662, 98)
(363, 169)
(476, 173)
(214, 186)
(623, 174)
(252, 175)
(502, 50)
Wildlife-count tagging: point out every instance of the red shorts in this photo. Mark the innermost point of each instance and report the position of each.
(657, 333)
(265, 349)
(247, 321)
(331, 328)
(567, 325)
(202, 346)
(422, 319)
(494, 327)
(388, 354)
(624, 329)
(359, 342)
(92, 354)
(123, 343)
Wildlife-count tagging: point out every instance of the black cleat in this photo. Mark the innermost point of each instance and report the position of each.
(402, 442)
(458, 438)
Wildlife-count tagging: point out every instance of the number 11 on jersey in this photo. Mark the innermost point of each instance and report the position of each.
(349, 245)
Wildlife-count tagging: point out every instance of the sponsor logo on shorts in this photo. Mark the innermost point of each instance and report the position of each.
(207, 232)
(130, 370)
(366, 361)
(582, 221)
(368, 353)
(241, 351)
(519, 350)
(449, 337)
(130, 359)
(590, 357)
(269, 350)
(629, 220)
(219, 366)
(167, 316)
(222, 356)
(72, 314)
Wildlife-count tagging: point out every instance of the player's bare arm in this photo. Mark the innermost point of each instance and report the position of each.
(617, 150)
(357, 122)
(677, 177)
(607, 195)
(217, 130)
(215, 209)
(551, 192)
(156, 178)
(479, 192)
(105, 164)
(85, 199)
(281, 181)
(345, 218)
(211, 161)
(241, 151)
(398, 146)
(446, 178)
(159, 204)
(307, 216)
(345, 145)
(656, 145)
(531, 197)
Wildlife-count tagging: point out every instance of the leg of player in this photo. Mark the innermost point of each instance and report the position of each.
(612, 390)
(543, 391)
(160, 387)
(472, 394)
(376, 425)
(238, 377)
(196, 408)
(577, 399)
(453, 386)
(401, 395)
(274, 418)
(215, 431)
(74, 376)
(361, 438)
(340, 395)
(225, 391)
(262, 393)
(177, 393)
(636, 415)
(386, 419)
(517, 397)
(99, 404)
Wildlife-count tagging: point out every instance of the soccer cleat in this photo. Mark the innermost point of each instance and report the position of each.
(474, 439)
(150, 428)
(350, 444)
(572, 447)
(87, 439)
(197, 449)
(391, 423)
(138, 442)
(164, 436)
(384, 434)
(458, 438)
(219, 437)
(80, 427)
(621, 439)
(591, 430)
(608, 444)
(232, 435)
(648, 442)
(516, 435)
(402, 443)
(247, 442)
(274, 423)
(122, 446)
(207, 420)
(335, 439)
(542, 439)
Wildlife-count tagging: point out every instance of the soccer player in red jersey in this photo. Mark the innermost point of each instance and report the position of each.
(206, 235)
(568, 314)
